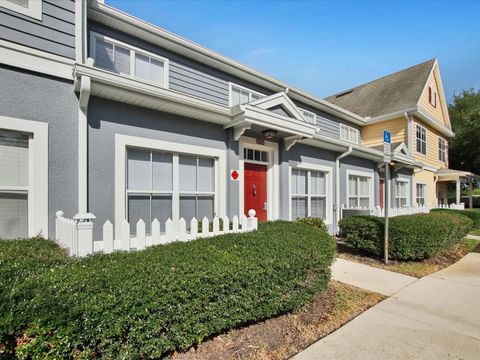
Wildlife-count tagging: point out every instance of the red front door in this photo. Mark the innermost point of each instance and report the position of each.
(382, 189)
(255, 190)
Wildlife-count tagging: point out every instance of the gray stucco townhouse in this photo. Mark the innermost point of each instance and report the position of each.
(103, 113)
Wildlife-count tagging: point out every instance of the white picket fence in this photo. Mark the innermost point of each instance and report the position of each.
(76, 234)
(392, 212)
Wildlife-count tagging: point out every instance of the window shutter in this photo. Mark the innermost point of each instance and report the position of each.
(429, 94)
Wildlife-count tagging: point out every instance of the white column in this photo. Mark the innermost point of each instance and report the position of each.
(85, 84)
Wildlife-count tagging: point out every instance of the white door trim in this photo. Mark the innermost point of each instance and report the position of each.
(37, 171)
(273, 184)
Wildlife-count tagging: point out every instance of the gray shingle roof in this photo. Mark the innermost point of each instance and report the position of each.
(391, 93)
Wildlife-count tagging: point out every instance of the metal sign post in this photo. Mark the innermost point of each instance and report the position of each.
(386, 201)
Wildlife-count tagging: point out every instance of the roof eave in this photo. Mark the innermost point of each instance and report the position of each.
(117, 19)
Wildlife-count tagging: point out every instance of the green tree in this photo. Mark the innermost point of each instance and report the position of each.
(464, 148)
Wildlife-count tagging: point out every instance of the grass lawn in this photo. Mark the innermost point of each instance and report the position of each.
(413, 268)
(284, 336)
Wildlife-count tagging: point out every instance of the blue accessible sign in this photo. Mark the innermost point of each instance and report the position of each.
(386, 136)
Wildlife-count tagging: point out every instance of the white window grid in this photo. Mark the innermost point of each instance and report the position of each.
(349, 133)
(175, 193)
(421, 135)
(421, 194)
(308, 195)
(442, 153)
(251, 94)
(311, 117)
(253, 155)
(401, 193)
(357, 197)
(133, 51)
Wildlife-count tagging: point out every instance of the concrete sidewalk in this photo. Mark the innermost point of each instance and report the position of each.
(436, 317)
(370, 278)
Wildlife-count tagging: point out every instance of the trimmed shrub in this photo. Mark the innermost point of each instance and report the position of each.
(411, 237)
(146, 304)
(315, 222)
(473, 214)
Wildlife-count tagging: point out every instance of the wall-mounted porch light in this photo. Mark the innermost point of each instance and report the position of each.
(269, 134)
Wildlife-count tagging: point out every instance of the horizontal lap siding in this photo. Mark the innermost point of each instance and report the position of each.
(424, 102)
(196, 83)
(431, 158)
(55, 33)
(372, 135)
(328, 127)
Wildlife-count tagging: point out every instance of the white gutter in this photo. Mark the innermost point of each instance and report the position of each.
(337, 186)
(119, 20)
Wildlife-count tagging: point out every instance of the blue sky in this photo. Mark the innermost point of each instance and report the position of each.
(325, 47)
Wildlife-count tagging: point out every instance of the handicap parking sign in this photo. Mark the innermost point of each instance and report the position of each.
(386, 136)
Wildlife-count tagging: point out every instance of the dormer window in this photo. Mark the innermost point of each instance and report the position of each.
(121, 58)
(432, 96)
(349, 134)
(240, 95)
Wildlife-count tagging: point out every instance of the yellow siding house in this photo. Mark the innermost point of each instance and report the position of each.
(411, 104)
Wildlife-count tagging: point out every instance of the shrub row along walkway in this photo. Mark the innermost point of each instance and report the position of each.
(435, 317)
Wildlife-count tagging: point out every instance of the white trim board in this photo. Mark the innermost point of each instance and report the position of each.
(273, 174)
(37, 171)
(328, 170)
(124, 141)
(34, 9)
(35, 60)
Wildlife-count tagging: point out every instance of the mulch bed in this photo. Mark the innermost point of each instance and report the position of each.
(286, 335)
(413, 268)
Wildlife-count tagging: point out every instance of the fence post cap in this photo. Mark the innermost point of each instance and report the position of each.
(252, 213)
(84, 217)
(59, 214)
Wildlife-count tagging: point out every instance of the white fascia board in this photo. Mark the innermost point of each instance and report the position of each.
(268, 119)
(282, 100)
(416, 112)
(121, 21)
(121, 88)
(434, 124)
(24, 57)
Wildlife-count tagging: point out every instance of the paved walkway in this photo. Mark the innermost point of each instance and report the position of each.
(435, 317)
(370, 278)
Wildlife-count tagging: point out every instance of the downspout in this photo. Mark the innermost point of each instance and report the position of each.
(84, 97)
(337, 187)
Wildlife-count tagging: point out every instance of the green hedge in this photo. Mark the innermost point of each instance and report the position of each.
(315, 222)
(411, 237)
(473, 214)
(149, 303)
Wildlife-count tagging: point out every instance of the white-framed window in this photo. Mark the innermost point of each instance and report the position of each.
(442, 149)
(309, 116)
(421, 134)
(161, 179)
(240, 95)
(32, 8)
(14, 189)
(432, 96)
(349, 133)
(23, 178)
(401, 193)
(359, 191)
(309, 193)
(255, 155)
(421, 194)
(124, 59)
(155, 179)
